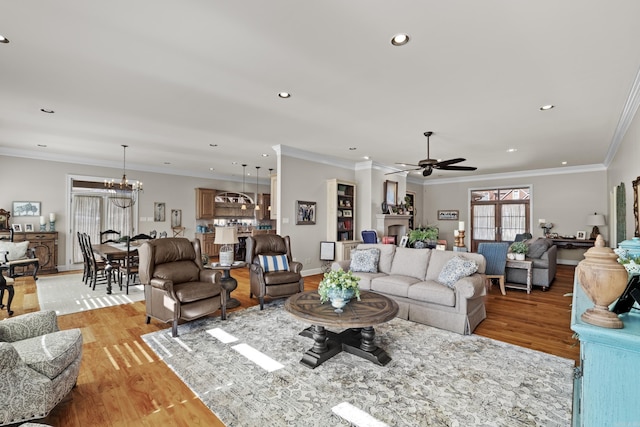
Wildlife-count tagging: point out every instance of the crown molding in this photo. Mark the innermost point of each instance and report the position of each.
(626, 118)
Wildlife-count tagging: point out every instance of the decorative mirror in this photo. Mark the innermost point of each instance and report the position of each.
(4, 219)
(636, 196)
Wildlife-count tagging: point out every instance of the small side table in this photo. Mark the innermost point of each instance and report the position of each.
(6, 283)
(525, 265)
(228, 282)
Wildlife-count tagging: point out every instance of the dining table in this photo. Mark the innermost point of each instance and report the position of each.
(114, 253)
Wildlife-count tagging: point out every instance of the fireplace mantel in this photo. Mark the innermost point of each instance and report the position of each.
(386, 221)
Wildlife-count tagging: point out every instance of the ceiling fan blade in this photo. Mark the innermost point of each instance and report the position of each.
(449, 162)
(405, 170)
(407, 164)
(458, 168)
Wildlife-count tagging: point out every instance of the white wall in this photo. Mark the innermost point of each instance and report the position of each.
(625, 168)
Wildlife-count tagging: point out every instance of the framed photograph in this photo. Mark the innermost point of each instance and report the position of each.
(448, 215)
(390, 193)
(403, 241)
(176, 218)
(327, 251)
(17, 228)
(159, 211)
(28, 227)
(581, 235)
(305, 213)
(347, 213)
(26, 209)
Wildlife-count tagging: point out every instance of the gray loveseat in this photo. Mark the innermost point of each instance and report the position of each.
(410, 277)
(39, 365)
(543, 254)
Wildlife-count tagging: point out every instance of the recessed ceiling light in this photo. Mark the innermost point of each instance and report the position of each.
(46, 110)
(3, 39)
(366, 157)
(352, 148)
(400, 39)
(511, 150)
(284, 95)
(546, 107)
(167, 163)
(565, 162)
(234, 163)
(42, 145)
(265, 155)
(213, 145)
(211, 169)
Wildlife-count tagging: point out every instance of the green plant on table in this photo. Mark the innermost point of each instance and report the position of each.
(519, 248)
(423, 234)
(338, 280)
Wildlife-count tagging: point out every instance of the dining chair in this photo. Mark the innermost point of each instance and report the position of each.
(109, 236)
(99, 267)
(132, 260)
(496, 256)
(369, 236)
(86, 272)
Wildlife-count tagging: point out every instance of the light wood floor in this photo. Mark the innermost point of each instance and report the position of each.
(123, 383)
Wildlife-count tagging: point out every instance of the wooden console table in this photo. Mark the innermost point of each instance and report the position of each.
(573, 243)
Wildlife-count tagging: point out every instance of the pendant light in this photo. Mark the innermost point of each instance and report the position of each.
(257, 204)
(244, 204)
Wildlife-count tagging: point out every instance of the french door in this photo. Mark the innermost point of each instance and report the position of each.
(497, 215)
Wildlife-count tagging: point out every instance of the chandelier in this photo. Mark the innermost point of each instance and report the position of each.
(257, 204)
(125, 194)
(244, 202)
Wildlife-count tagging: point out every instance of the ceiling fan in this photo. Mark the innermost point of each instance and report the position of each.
(429, 164)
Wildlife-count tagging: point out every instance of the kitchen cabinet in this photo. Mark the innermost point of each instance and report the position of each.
(265, 205)
(205, 203)
(207, 245)
(45, 244)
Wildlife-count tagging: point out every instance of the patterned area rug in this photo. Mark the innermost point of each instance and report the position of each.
(67, 293)
(435, 377)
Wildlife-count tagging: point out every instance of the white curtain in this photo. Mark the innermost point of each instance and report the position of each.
(513, 221)
(119, 219)
(484, 222)
(86, 213)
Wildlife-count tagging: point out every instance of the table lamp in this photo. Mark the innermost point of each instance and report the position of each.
(596, 220)
(227, 237)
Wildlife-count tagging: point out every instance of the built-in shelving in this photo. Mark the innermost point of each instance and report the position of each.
(341, 202)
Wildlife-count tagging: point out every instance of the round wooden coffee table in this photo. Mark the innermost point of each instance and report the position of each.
(358, 317)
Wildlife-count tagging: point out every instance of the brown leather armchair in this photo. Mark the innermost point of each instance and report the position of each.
(275, 284)
(176, 286)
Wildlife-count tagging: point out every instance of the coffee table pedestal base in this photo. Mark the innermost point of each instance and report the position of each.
(356, 341)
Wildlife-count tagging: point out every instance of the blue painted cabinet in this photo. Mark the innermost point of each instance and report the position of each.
(607, 389)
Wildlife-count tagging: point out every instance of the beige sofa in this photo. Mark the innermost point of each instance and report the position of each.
(410, 277)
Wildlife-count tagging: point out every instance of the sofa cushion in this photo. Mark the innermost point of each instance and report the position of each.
(274, 263)
(397, 284)
(365, 260)
(365, 280)
(52, 353)
(16, 250)
(386, 255)
(538, 247)
(456, 268)
(433, 292)
(411, 262)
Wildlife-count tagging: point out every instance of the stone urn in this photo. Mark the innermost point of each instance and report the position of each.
(603, 279)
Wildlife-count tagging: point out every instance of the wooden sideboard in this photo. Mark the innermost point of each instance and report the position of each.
(45, 244)
(606, 384)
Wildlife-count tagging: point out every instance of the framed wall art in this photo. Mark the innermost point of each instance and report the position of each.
(581, 235)
(159, 211)
(176, 218)
(305, 213)
(636, 204)
(26, 208)
(28, 227)
(390, 193)
(448, 215)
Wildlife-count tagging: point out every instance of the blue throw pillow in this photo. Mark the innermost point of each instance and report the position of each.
(274, 263)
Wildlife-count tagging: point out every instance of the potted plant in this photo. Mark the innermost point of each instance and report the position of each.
(423, 237)
(339, 286)
(520, 249)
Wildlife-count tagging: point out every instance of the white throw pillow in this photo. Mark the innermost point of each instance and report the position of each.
(456, 268)
(16, 250)
(365, 260)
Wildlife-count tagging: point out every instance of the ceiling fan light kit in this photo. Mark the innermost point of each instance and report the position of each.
(428, 165)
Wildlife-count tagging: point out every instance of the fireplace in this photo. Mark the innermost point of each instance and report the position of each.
(392, 225)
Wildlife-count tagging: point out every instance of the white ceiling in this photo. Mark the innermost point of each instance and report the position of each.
(169, 78)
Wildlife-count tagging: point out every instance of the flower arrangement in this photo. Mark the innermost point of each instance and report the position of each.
(338, 280)
(628, 260)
